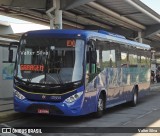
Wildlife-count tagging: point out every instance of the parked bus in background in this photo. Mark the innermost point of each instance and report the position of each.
(77, 72)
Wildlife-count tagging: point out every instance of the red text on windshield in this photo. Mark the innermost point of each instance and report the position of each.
(26, 67)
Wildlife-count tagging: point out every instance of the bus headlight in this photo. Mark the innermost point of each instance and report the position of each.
(73, 97)
(18, 95)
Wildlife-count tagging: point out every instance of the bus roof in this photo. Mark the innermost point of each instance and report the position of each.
(86, 34)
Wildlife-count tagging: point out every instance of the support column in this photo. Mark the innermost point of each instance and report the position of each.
(50, 15)
(140, 37)
(58, 16)
(51, 23)
(55, 15)
(153, 55)
(58, 19)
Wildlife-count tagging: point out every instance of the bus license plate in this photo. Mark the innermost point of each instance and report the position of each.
(43, 111)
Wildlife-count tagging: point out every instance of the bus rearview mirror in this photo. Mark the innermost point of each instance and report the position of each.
(10, 51)
(10, 57)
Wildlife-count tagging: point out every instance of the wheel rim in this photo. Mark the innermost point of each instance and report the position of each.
(100, 104)
(135, 98)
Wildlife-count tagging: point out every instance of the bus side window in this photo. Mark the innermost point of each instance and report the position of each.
(143, 61)
(148, 59)
(106, 58)
(124, 56)
(107, 55)
(124, 61)
(133, 57)
(112, 55)
(103, 55)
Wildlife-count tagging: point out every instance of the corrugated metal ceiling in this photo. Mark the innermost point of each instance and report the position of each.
(125, 9)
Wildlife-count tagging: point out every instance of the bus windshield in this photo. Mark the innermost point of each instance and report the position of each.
(50, 61)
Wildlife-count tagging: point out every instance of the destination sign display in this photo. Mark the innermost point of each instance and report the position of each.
(29, 67)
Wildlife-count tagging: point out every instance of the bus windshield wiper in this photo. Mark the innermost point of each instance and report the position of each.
(21, 79)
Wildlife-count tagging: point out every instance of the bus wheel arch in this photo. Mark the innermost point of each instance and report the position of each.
(134, 100)
(101, 104)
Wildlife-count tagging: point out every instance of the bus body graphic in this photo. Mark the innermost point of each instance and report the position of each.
(77, 72)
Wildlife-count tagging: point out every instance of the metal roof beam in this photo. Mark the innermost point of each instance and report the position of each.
(123, 31)
(143, 10)
(28, 4)
(2, 23)
(115, 15)
(38, 18)
(152, 30)
(6, 30)
(85, 20)
(155, 45)
(93, 27)
(70, 4)
(96, 13)
(20, 28)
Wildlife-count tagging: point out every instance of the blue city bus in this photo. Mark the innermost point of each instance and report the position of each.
(77, 72)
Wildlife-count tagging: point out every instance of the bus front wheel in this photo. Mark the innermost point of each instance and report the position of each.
(100, 106)
(135, 98)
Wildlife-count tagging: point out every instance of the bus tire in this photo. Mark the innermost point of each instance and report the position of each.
(100, 106)
(134, 97)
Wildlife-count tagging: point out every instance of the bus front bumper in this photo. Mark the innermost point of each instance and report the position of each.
(52, 108)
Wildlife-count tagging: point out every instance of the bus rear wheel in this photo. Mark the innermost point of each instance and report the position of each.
(100, 106)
